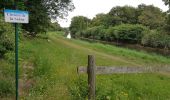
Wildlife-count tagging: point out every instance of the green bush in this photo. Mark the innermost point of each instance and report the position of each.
(86, 33)
(97, 32)
(6, 37)
(156, 39)
(10, 57)
(127, 33)
(79, 23)
(54, 27)
(124, 33)
(111, 34)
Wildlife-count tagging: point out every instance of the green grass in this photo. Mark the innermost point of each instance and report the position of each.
(125, 87)
(136, 56)
(55, 61)
(7, 79)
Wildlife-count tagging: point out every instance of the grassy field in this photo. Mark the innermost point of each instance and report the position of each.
(51, 64)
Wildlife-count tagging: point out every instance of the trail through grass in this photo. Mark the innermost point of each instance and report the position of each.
(55, 61)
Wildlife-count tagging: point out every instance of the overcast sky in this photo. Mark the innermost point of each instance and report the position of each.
(90, 8)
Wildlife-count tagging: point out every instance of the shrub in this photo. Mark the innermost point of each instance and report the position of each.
(86, 33)
(97, 32)
(127, 33)
(10, 57)
(6, 37)
(156, 39)
(111, 34)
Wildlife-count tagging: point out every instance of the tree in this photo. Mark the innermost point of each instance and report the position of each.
(124, 14)
(41, 11)
(79, 23)
(55, 27)
(102, 19)
(57, 8)
(167, 22)
(38, 17)
(166, 26)
(167, 2)
(151, 16)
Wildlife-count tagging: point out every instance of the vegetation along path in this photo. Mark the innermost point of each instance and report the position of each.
(54, 61)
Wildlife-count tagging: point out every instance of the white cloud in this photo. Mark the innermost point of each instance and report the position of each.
(90, 8)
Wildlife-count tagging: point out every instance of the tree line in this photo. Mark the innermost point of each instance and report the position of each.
(41, 12)
(146, 25)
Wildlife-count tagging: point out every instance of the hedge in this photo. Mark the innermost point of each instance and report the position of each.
(156, 39)
(124, 33)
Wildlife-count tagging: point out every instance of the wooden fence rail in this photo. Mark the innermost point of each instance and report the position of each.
(112, 70)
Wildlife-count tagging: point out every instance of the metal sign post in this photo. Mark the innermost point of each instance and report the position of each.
(16, 60)
(16, 16)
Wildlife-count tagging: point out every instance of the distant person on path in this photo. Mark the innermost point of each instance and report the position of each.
(69, 36)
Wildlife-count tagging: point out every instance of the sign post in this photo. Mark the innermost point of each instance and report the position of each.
(16, 16)
(16, 59)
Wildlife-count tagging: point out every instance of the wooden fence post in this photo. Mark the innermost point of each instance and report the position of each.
(91, 70)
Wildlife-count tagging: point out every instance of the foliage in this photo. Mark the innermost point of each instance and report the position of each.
(6, 67)
(55, 27)
(78, 89)
(10, 57)
(127, 33)
(57, 79)
(40, 12)
(7, 79)
(38, 18)
(96, 32)
(156, 39)
(124, 24)
(10, 4)
(124, 33)
(57, 8)
(167, 22)
(151, 16)
(122, 87)
(102, 19)
(147, 15)
(79, 23)
(166, 26)
(167, 2)
(6, 37)
(6, 88)
(125, 14)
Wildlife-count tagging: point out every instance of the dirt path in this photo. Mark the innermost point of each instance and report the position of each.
(26, 81)
(91, 51)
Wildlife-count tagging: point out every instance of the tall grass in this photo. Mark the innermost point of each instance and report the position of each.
(124, 87)
(7, 79)
(138, 56)
(55, 61)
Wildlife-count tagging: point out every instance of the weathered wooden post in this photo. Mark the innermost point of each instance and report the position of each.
(91, 70)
